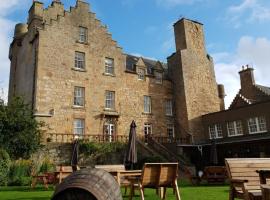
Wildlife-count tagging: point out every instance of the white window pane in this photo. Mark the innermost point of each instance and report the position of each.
(109, 99)
(168, 107)
(147, 104)
(215, 131)
(262, 123)
(109, 66)
(79, 126)
(252, 125)
(79, 96)
(141, 73)
(79, 60)
(170, 130)
(82, 34)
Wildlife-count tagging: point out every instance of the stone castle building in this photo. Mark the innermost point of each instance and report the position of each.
(80, 82)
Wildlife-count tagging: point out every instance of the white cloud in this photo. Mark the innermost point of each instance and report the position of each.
(250, 10)
(252, 51)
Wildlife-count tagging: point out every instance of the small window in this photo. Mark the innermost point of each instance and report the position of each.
(168, 107)
(234, 128)
(159, 78)
(147, 104)
(257, 125)
(109, 99)
(82, 34)
(215, 131)
(78, 96)
(79, 126)
(79, 60)
(170, 130)
(141, 74)
(109, 66)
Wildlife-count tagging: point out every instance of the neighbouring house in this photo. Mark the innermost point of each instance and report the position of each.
(243, 129)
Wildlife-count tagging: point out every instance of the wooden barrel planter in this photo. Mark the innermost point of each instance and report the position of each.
(88, 184)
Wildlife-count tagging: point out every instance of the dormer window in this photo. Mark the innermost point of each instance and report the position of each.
(83, 34)
(158, 76)
(141, 73)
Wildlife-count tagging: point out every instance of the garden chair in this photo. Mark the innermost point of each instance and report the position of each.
(244, 178)
(157, 175)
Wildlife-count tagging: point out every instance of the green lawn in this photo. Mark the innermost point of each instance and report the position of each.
(187, 193)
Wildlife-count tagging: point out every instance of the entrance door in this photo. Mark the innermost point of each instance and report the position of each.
(109, 130)
(147, 131)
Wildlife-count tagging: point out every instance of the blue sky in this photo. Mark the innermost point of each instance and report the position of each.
(237, 32)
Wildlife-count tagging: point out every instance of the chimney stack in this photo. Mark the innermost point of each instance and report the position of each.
(247, 81)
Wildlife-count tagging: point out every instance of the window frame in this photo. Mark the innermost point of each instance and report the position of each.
(146, 127)
(237, 130)
(79, 60)
(147, 104)
(109, 100)
(141, 73)
(107, 66)
(170, 125)
(76, 128)
(257, 123)
(168, 107)
(83, 34)
(79, 98)
(158, 79)
(217, 129)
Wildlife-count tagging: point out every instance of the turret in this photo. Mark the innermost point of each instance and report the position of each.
(35, 14)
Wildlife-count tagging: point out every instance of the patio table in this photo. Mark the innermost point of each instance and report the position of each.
(119, 174)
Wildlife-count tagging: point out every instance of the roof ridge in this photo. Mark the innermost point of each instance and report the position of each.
(263, 89)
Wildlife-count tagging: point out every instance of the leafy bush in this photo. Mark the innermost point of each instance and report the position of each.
(101, 148)
(4, 167)
(20, 173)
(102, 153)
(47, 166)
(20, 131)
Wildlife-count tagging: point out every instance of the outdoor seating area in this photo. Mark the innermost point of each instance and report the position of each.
(247, 177)
(248, 180)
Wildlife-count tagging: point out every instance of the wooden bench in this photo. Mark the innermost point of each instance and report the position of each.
(45, 178)
(157, 175)
(244, 180)
(113, 170)
(265, 192)
(215, 174)
(62, 172)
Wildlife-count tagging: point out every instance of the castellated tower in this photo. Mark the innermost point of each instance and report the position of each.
(194, 85)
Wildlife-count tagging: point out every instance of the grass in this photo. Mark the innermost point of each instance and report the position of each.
(187, 193)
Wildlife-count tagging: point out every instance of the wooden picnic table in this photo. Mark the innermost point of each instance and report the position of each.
(43, 178)
(120, 174)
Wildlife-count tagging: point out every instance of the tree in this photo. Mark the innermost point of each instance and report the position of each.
(19, 131)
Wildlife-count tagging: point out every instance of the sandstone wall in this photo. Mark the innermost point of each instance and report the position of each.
(56, 79)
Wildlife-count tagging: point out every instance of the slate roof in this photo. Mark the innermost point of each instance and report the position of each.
(264, 89)
(132, 60)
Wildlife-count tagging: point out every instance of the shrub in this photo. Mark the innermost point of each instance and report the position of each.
(102, 153)
(20, 131)
(20, 173)
(4, 167)
(47, 166)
